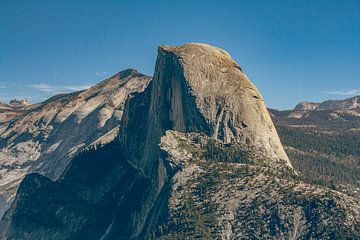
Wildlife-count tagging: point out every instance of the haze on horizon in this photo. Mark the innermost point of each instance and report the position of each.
(293, 51)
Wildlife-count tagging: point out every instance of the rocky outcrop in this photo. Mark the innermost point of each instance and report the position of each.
(221, 198)
(14, 105)
(20, 103)
(305, 106)
(232, 192)
(44, 137)
(231, 105)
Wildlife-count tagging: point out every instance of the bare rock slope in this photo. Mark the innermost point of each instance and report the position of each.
(306, 106)
(44, 137)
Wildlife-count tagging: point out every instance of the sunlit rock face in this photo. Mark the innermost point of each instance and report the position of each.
(305, 106)
(231, 105)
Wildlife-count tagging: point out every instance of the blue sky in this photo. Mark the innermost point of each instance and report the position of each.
(292, 50)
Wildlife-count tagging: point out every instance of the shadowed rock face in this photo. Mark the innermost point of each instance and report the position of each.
(95, 198)
(195, 88)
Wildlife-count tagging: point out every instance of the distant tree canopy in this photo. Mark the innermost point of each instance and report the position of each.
(217, 151)
(340, 144)
(331, 160)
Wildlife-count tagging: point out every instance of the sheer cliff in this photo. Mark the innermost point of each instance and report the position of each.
(229, 102)
(197, 156)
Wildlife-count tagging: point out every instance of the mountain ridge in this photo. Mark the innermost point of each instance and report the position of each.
(196, 156)
(40, 137)
(343, 104)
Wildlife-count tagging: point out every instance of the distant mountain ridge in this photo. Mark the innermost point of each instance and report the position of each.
(323, 143)
(15, 104)
(348, 103)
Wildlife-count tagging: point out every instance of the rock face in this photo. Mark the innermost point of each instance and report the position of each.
(14, 105)
(304, 106)
(10, 110)
(44, 137)
(128, 188)
(231, 105)
(19, 104)
(96, 198)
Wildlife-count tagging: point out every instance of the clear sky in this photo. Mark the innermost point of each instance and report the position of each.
(292, 50)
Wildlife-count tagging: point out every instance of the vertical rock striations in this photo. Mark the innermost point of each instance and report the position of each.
(232, 107)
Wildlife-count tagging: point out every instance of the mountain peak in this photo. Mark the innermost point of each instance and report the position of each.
(302, 106)
(127, 72)
(228, 101)
(201, 49)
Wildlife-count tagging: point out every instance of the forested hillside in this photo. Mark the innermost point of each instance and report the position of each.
(323, 146)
